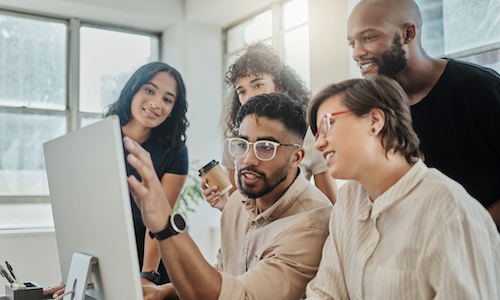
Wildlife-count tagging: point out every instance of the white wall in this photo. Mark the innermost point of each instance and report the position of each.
(329, 54)
(33, 254)
(192, 43)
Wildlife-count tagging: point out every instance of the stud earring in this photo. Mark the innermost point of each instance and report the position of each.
(373, 130)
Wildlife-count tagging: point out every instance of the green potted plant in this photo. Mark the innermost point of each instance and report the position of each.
(192, 193)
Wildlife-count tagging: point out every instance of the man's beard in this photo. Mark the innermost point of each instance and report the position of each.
(393, 60)
(269, 185)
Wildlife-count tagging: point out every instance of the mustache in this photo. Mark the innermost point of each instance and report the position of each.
(252, 169)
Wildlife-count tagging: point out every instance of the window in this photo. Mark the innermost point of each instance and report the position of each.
(107, 60)
(39, 98)
(284, 26)
(466, 30)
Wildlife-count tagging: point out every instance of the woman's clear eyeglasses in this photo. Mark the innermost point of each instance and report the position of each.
(324, 124)
(264, 150)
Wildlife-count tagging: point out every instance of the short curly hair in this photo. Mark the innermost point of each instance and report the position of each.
(258, 59)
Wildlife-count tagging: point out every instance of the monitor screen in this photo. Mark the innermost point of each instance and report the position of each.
(91, 207)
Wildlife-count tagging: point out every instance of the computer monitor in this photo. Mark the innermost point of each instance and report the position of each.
(91, 207)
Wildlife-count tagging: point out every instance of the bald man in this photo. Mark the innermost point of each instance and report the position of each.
(455, 105)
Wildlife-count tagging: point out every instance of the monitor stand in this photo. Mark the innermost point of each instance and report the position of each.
(79, 275)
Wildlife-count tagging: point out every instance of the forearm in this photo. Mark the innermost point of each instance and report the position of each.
(151, 258)
(494, 210)
(164, 291)
(192, 276)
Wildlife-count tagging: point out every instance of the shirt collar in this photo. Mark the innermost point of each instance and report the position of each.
(368, 209)
(281, 205)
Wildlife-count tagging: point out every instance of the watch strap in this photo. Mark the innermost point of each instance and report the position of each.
(169, 230)
(152, 276)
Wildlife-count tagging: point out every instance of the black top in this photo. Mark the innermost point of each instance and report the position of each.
(458, 124)
(174, 163)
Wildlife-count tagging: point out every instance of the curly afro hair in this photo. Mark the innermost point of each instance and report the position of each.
(258, 59)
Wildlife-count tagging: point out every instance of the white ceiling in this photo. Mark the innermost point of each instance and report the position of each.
(145, 14)
(223, 12)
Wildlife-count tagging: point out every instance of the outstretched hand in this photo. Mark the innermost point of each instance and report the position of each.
(148, 194)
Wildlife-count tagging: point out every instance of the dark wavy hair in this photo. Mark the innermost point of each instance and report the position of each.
(169, 135)
(277, 106)
(360, 96)
(260, 58)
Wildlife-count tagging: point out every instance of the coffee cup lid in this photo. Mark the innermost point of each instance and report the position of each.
(208, 167)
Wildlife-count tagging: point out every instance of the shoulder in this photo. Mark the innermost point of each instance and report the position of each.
(445, 200)
(312, 209)
(349, 192)
(471, 71)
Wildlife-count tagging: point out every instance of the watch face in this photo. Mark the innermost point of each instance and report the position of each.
(179, 222)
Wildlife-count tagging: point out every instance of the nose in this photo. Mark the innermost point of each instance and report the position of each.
(248, 95)
(320, 143)
(250, 158)
(358, 51)
(155, 101)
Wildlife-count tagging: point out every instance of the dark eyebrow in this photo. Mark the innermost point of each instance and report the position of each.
(168, 93)
(265, 138)
(256, 79)
(366, 30)
(149, 82)
(361, 33)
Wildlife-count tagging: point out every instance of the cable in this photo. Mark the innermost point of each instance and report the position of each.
(67, 293)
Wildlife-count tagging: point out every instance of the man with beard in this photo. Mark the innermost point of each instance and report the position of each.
(272, 228)
(454, 104)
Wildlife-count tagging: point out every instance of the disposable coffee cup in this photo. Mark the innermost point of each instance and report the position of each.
(215, 176)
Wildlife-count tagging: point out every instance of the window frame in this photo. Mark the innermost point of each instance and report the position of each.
(474, 51)
(277, 37)
(72, 106)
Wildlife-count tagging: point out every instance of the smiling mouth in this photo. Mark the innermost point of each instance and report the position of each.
(329, 155)
(153, 114)
(364, 66)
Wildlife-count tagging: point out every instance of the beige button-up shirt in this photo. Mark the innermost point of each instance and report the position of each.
(275, 254)
(424, 238)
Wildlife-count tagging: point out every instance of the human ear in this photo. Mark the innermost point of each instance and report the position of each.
(296, 157)
(377, 121)
(409, 33)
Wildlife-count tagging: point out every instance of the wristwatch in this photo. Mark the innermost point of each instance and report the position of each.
(176, 224)
(151, 276)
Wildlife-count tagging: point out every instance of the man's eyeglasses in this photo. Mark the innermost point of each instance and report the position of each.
(324, 124)
(264, 150)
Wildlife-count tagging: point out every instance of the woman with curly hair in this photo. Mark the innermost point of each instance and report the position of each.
(260, 70)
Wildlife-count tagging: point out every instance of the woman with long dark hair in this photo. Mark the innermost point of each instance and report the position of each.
(152, 110)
